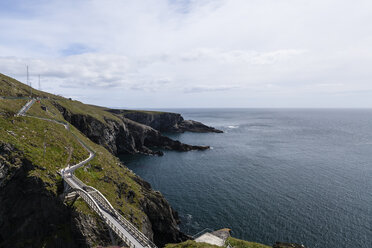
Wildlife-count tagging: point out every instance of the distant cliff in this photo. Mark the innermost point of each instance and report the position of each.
(164, 121)
(122, 135)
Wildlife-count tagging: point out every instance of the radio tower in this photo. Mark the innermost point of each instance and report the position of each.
(39, 83)
(28, 81)
(27, 75)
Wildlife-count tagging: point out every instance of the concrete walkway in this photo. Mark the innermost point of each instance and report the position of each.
(215, 238)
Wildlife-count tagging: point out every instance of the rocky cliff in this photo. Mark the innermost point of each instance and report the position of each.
(33, 216)
(164, 219)
(164, 121)
(30, 215)
(123, 135)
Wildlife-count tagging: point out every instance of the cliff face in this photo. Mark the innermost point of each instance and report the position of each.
(163, 217)
(164, 121)
(32, 216)
(124, 136)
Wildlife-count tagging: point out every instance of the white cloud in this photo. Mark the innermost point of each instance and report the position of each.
(159, 51)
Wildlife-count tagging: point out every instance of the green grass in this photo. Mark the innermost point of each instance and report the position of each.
(106, 174)
(51, 111)
(191, 244)
(235, 243)
(238, 243)
(96, 112)
(10, 107)
(11, 87)
(82, 207)
(28, 134)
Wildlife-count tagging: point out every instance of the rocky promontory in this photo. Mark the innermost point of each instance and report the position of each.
(164, 121)
(122, 135)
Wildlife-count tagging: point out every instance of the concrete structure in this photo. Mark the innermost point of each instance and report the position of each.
(210, 239)
(218, 237)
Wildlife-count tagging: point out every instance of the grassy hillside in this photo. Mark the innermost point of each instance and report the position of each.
(29, 135)
(238, 243)
(190, 244)
(235, 243)
(97, 112)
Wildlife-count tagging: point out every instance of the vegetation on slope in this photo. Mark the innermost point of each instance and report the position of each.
(49, 111)
(238, 243)
(233, 242)
(44, 143)
(76, 107)
(190, 244)
(10, 107)
(104, 172)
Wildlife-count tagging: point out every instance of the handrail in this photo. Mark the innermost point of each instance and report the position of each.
(102, 196)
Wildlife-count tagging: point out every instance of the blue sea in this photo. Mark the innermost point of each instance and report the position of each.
(293, 175)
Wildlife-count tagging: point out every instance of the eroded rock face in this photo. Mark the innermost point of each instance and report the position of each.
(31, 216)
(164, 121)
(163, 217)
(125, 136)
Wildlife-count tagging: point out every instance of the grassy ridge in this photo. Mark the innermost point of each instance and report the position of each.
(11, 87)
(96, 112)
(238, 243)
(104, 172)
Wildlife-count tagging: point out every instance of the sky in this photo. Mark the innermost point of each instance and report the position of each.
(193, 53)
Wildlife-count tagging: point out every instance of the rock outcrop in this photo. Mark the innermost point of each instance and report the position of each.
(124, 136)
(163, 217)
(164, 121)
(30, 216)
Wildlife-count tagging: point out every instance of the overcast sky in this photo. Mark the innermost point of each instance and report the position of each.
(193, 53)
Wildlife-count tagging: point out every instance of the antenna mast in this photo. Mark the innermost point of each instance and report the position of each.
(39, 83)
(28, 81)
(27, 75)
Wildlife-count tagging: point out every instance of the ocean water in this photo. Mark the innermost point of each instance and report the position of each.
(300, 176)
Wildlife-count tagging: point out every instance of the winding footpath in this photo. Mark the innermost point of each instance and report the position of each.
(96, 201)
